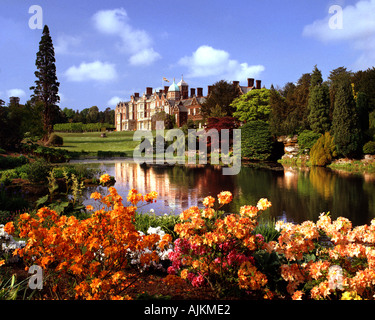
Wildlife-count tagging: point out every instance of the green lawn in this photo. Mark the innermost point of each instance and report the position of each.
(92, 142)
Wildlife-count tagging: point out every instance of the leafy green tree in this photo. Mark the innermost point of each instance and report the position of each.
(307, 138)
(256, 140)
(362, 111)
(46, 86)
(318, 103)
(69, 113)
(221, 96)
(279, 113)
(335, 80)
(93, 115)
(323, 151)
(364, 81)
(254, 105)
(296, 98)
(345, 126)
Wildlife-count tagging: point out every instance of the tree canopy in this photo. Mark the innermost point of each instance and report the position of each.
(218, 102)
(254, 105)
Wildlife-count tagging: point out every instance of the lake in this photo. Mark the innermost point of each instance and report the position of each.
(296, 194)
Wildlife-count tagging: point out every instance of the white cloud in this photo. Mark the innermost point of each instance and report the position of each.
(65, 43)
(207, 61)
(114, 101)
(358, 30)
(16, 93)
(135, 42)
(144, 57)
(97, 71)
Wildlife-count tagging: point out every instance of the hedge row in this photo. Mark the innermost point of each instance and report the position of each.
(82, 127)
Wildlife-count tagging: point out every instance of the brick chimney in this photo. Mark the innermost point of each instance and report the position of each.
(258, 84)
(166, 89)
(149, 91)
(200, 92)
(209, 90)
(192, 92)
(136, 94)
(250, 82)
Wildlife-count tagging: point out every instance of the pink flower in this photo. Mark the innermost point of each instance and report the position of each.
(198, 281)
(171, 270)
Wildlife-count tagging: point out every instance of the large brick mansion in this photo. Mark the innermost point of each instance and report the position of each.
(174, 100)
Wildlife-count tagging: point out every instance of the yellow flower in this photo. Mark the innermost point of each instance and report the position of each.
(350, 295)
(263, 204)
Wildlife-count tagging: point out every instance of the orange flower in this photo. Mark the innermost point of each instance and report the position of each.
(105, 178)
(2, 262)
(134, 197)
(225, 197)
(96, 196)
(184, 273)
(150, 197)
(249, 211)
(9, 228)
(209, 201)
(208, 213)
(297, 295)
(89, 208)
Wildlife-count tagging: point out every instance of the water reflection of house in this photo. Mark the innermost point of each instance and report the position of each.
(147, 179)
(289, 180)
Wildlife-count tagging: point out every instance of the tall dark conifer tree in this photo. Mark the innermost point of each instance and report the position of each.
(319, 103)
(46, 86)
(345, 125)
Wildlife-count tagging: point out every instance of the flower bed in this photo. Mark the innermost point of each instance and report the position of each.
(94, 258)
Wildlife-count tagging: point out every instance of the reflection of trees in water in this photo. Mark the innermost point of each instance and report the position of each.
(301, 195)
(304, 195)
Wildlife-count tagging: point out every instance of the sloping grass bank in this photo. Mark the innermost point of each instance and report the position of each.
(92, 144)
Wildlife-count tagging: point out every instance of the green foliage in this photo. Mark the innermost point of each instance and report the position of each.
(362, 107)
(64, 203)
(256, 140)
(12, 162)
(318, 106)
(46, 85)
(279, 113)
(50, 154)
(10, 131)
(11, 202)
(369, 148)
(345, 126)
(37, 171)
(55, 140)
(254, 105)
(267, 229)
(169, 120)
(81, 127)
(143, 221)
(221, 96)
(307, 138)
(323, 151)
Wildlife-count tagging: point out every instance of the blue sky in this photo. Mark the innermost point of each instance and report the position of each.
(107, 50)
